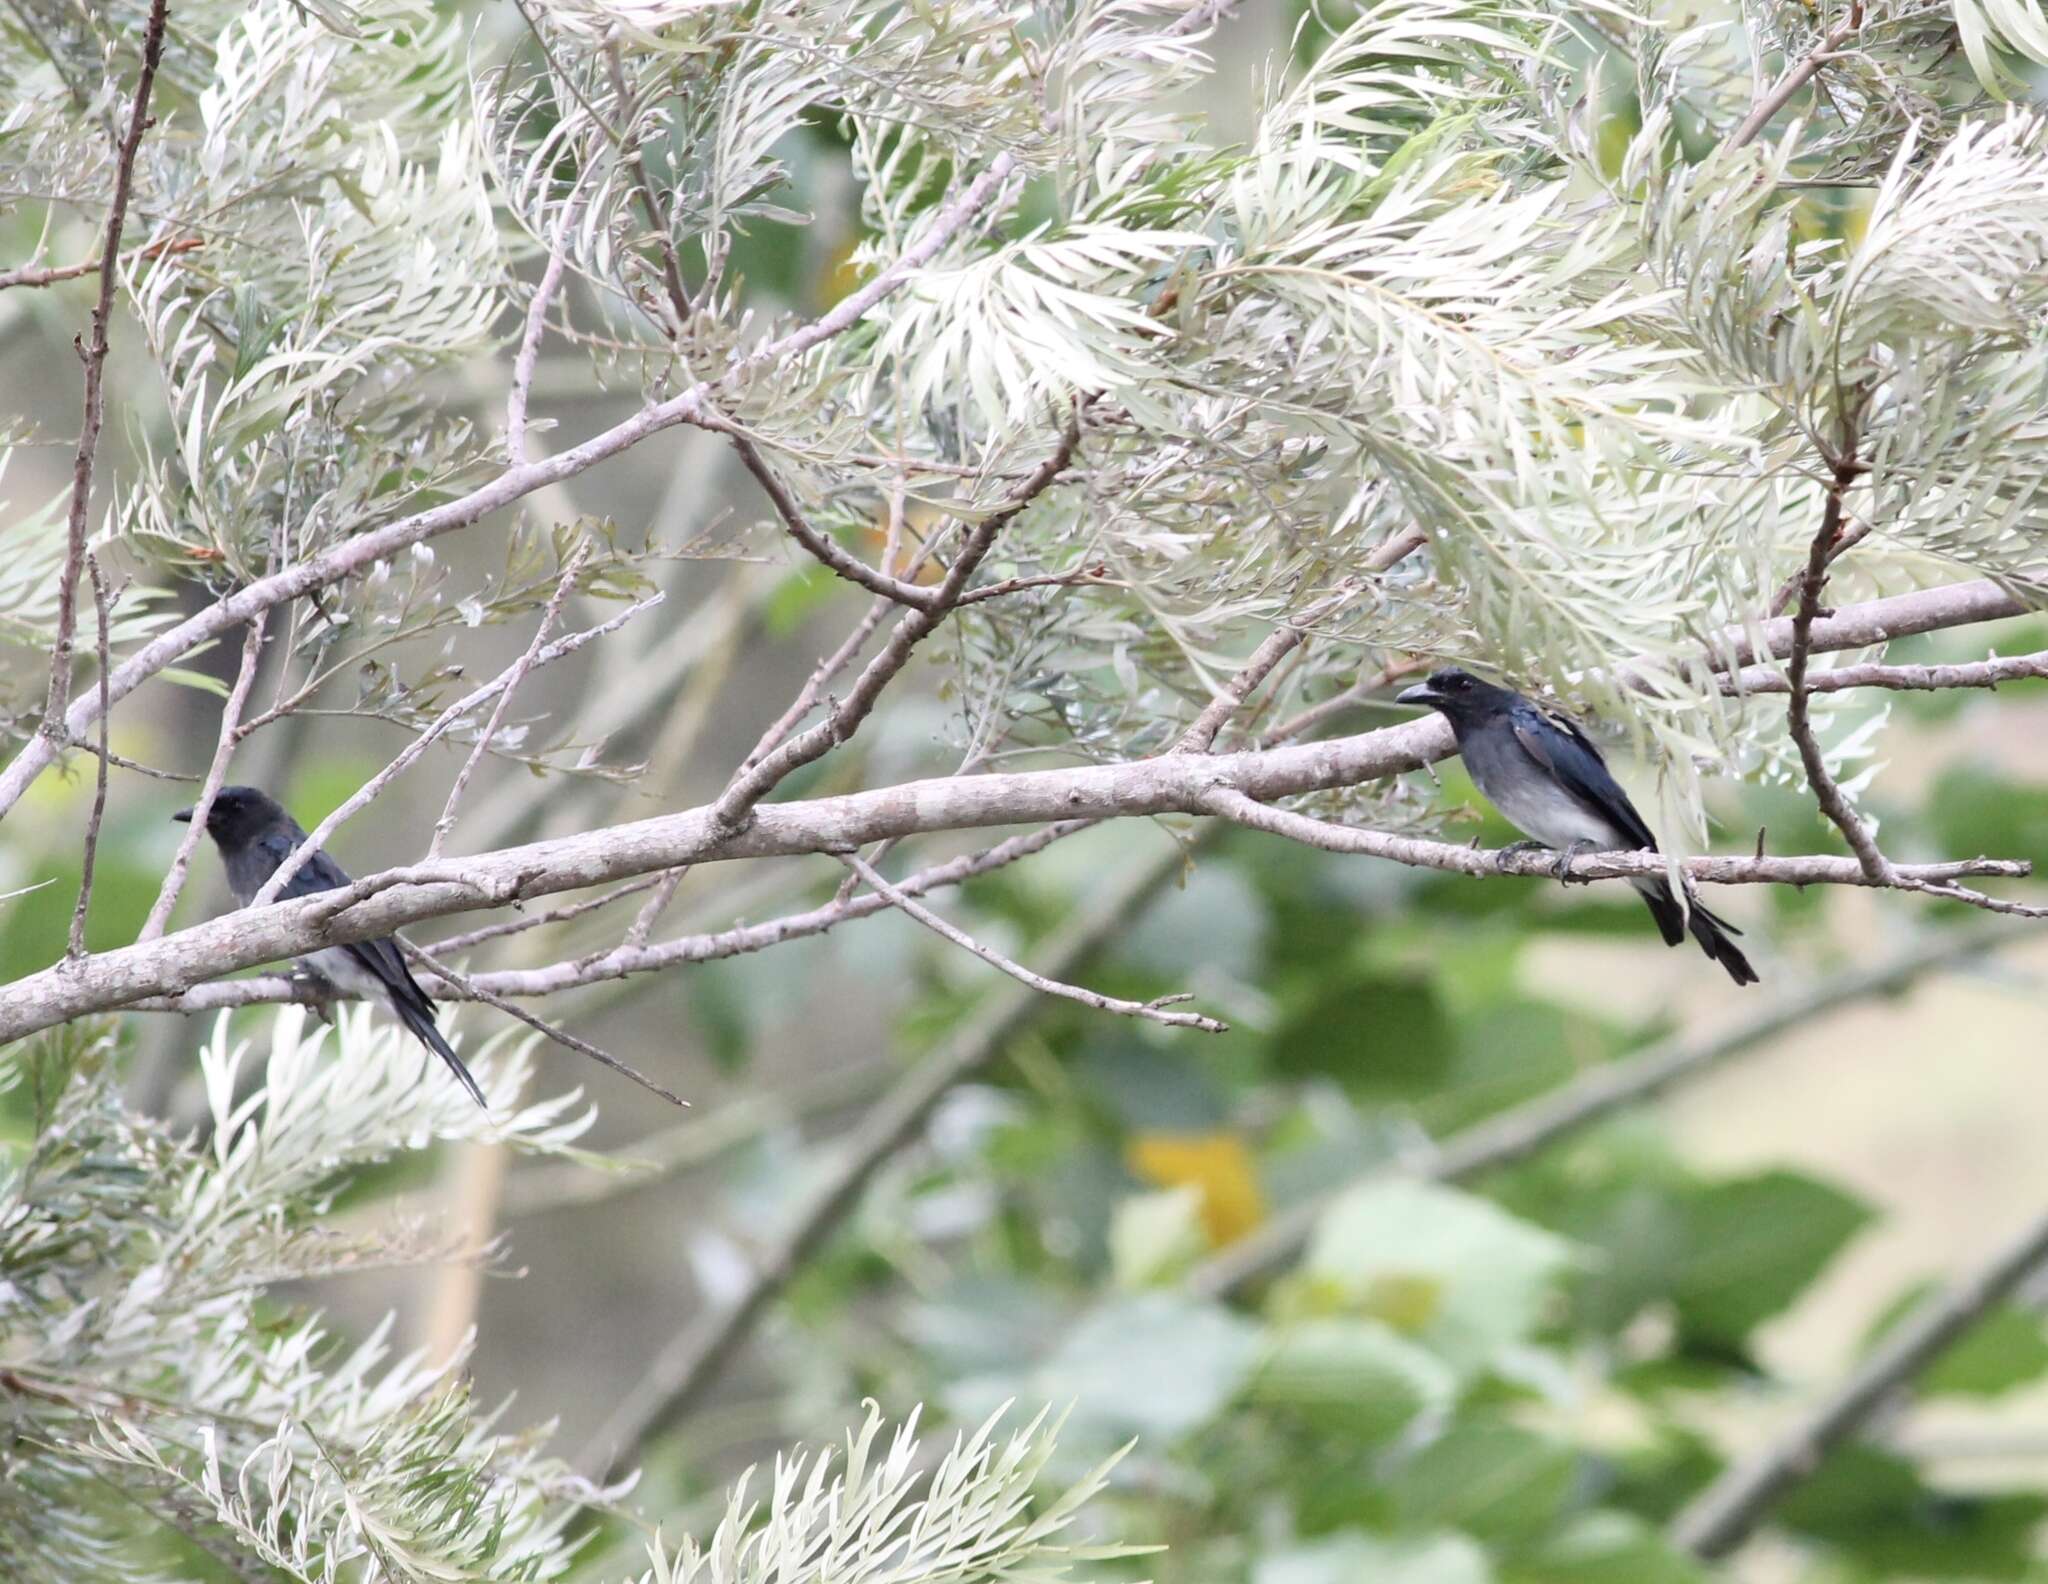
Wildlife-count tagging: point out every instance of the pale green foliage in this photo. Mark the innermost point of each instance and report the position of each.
(141, 1357)
(877, 1517)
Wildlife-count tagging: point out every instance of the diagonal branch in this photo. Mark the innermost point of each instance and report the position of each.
(513, 678)
(1780, 93)
(560, 1036)
(467, 705)
(1727, 1512)
(75, 948)
(216, 774)
(1152, 1011)
(736, 804)
(56, 732)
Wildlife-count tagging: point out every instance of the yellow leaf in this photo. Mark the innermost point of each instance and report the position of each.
(1216, 1163)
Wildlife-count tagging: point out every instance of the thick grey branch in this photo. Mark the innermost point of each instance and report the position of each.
(1174, 783)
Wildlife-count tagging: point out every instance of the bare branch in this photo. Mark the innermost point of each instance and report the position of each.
(1173, 783)
(1797, 77)
(1727, 1512)
(56, 731)
(818, 543)
(361, 551)
(560, 1036)
(1896, 678)
(410, 754)
(75, 948)
(747, 789)
(1799, 722)
(1151, 1011)
(513, 678)
(678, 1375)
(528, 358)
(216, 775)
(1479, 862)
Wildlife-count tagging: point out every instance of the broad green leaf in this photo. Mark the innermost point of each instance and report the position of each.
(1448, 1269)
(1753, 1245)
(1357, 1376)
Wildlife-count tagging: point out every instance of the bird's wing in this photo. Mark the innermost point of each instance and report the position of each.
(380, 958)
(1557, 744)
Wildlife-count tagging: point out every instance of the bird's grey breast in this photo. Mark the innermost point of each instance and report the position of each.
(1529, 795)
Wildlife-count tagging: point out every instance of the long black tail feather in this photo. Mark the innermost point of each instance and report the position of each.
(421, 1021)
(1709, 929)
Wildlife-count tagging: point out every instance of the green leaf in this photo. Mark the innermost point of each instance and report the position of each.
(1153, 1237)
(1155, 1365)
(1873, 1506)
(1402, 1051)
(1754, 1244)
(1495, 1480)
(1355, 1376)
(1606, 1548)
(1352, 1558)
(1453, 1271)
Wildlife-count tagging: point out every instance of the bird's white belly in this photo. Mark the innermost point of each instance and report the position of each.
(339, 967)
(1541, 809)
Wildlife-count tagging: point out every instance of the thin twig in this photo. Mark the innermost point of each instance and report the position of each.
(1521, 1131)
(1802, 869)
(912, 628)
(1780, 93)
(1200, 736)
(401, 898)
(548, 617)
(75, 948)
(216, 775)
(528, 358)
(530, 921)
(814, 540)
(33, 275)
(650, 205)
(357, 551)
(561, 1037)
(1895, 678)
(1151, 1011)
(56, 731)
(679, 1374)
(409, 755)
(1727, 1512)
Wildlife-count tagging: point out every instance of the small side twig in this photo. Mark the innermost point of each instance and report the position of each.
(817, 543)
(1801, 73)
(528, 358)
(1151, 1011)
(75, 948)
(93, 352)
(216, 775)
(517, 675)
(419, 745)
(561, 1037)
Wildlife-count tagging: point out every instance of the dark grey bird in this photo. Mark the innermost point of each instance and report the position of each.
(1542, 772)
(255, 835)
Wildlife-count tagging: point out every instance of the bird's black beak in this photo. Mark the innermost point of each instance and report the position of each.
(1419, 695)
(183, 816)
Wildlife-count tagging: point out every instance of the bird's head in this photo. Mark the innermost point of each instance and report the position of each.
(1457, 694)
(239, 815)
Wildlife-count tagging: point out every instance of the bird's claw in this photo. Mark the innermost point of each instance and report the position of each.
(1563, 867)
(1503, 859)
